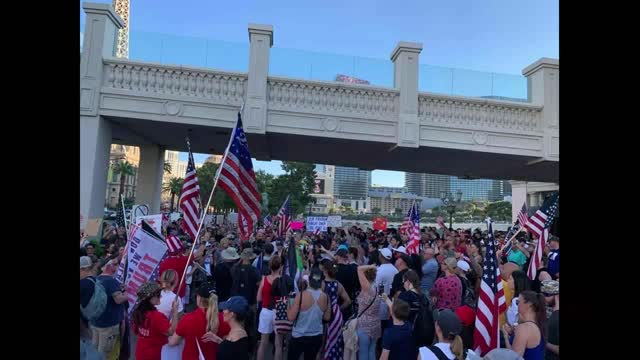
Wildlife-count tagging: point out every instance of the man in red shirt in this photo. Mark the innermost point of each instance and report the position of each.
(177, 261)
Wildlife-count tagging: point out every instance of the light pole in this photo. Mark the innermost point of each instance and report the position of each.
(451, 203)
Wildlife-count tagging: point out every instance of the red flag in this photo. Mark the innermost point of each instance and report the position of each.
(379, 223)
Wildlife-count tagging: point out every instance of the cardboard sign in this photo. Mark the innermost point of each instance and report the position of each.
(145, 251)
(316, 223)
(233, 218)
(334, 221)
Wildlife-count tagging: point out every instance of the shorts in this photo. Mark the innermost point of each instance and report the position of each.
(266, 321)
(105, 338)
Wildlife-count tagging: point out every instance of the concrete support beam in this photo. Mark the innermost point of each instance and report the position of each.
(95, 144)
(100, 37)
(149, 187)
(543, 85)
(405, 59)
(255, 109)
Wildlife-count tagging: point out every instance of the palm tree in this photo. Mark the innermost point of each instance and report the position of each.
(174, 187)
(124, 168)
(167, 167)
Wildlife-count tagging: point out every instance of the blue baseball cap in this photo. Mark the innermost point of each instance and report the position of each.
(236, 304)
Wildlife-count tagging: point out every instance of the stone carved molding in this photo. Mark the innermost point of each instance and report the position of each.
(330, 124)
(290, 94)
(479, 113)
(160, 79)
(173, 108)
(480, 137)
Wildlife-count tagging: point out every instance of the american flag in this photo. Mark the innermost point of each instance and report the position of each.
(543, 218)
(173, 243)
(522, 219)
(284, 217)
(267, 221)
(120, 213)
(190, 200)
(237, 178)
(491, 302)
(522, 215)
(536, 259)
(413, 246)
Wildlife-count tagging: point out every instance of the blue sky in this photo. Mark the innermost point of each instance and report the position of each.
(489, 36)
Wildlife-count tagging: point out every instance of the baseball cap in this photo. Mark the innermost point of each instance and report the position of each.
(85, 262)
(400, 249)
(315, 278)
(502, 354)
(463, 265)
(386, 253)
(449, 323)
(236, 304)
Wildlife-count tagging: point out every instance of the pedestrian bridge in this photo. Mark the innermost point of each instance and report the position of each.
(155, 106)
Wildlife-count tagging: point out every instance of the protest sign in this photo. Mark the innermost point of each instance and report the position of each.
(154, 220)
(145, 251)
(316, 223)
(232, 218)
(297, 225)
(334, 221)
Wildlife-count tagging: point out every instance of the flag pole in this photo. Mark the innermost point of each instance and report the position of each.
(213, 189)
(124, 217)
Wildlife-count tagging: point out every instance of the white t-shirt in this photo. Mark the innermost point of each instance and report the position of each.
(166, 299)
(426, 354)
(512, 311)
(384, 277)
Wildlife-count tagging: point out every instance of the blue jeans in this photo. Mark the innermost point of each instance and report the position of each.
(366, 347)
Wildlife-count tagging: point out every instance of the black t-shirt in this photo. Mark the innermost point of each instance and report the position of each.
(398, 340)
(347, 275)
(245, 282)
(222, 277)
(236, 350)
(553, 334)
(414, 303)
(396, 285)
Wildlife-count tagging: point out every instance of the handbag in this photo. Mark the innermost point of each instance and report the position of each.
(350, 329)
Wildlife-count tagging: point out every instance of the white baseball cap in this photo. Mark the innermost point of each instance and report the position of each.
(463, 265)
(386, 253)
(401, 250)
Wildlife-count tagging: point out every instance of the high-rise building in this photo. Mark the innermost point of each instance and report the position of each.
(388, 189)
(351, 188)
(427, 185)
(387, 203)
(433, 185)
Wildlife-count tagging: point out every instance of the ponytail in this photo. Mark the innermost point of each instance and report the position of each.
(212, 313)
(457, 348)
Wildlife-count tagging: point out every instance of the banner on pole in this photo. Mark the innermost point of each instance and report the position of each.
(145, 251)
(334, 221)
(155, 221)
(316, 223)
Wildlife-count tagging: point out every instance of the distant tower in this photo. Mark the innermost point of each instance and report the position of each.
(122, 47)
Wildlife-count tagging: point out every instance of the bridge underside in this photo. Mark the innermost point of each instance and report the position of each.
(363, 154)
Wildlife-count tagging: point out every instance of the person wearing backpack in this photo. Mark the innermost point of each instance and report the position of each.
(106, 328)
(99, 300)
(449, 345)
(420, 310)
(245, 278)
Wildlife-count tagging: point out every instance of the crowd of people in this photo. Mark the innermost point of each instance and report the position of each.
(347, 293)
